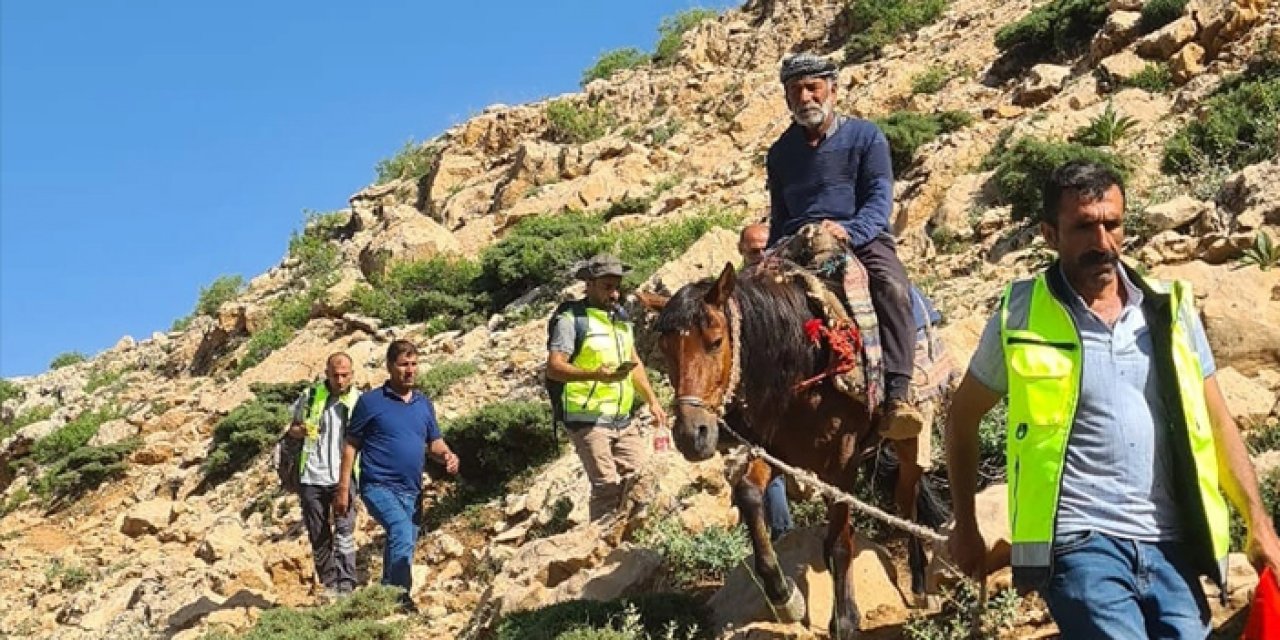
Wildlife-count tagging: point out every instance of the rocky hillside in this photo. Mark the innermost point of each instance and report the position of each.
(135, 495)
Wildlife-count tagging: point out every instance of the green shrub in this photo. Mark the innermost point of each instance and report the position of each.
(656, 612)
(1105, 130)
(1023, 168)
(221, 290)
(287, 315)
(9, 391)
(14, 502)
(85, 469)
(249, 429)
(908, 130)
(1238, 127)
(692, 559)
(500, 441)
(930, 80)
(1154, 77)
(412, 162)
(357, 617)
(1264, 253)
(1262, 439)
(1269, 488)
(28, 417)
(671, 33)
(440, 378)
(569, 123)
(649, 248)
(875, 23)
(1158, 13)
(72, 435)
(963, 615)
(1061, 27)
(318, 257)
(67, 359)
(441, 286)
(68, 577)
(540, 250)
(104, 377)
(628, 205)
(611, 62)
(662, 133)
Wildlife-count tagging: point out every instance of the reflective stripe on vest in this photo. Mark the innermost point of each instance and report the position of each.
(319, 398)
(1043, 355)
(608, 343)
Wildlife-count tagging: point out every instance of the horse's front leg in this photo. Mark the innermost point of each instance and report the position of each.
(785, 599)
(839, 550)
(906, 495)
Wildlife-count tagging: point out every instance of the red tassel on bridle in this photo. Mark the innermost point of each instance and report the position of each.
(845, 342)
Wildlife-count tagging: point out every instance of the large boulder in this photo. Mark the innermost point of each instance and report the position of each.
(403, 234)
(1241, 312)
(1176, 213)
(1043, 82)
(704, 259)
(147, 517)
(1250, 402)
(1165, 41)
(1252, 195)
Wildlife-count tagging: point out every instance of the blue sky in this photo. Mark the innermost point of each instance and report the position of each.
(148, 147)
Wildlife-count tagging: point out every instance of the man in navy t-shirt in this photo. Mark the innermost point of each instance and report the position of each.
(393, 427)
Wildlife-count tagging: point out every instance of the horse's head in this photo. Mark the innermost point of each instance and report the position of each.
(697, 341)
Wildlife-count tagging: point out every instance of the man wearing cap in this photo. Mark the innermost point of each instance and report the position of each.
(835, 171)
(601, 372)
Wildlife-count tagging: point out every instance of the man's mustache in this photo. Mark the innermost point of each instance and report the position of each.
(1099, 258)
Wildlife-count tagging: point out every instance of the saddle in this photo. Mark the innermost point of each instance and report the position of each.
(838, 288)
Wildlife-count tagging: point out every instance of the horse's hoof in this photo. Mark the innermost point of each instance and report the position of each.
(794, 609)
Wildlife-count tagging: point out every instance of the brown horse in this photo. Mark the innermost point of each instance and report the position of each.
(749, 379)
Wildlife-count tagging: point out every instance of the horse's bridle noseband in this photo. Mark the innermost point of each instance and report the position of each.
(735, 364)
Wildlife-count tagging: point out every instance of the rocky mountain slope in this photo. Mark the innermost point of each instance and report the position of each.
(128, 508)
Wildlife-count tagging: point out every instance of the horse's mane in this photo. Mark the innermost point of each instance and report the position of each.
(775, 351)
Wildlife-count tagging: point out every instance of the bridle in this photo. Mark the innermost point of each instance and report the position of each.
(732, 314)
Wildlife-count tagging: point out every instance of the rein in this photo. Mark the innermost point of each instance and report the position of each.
(734, 317)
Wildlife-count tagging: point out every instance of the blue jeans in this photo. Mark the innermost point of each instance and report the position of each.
(1106, 587)
(777, 513)
(394, 511)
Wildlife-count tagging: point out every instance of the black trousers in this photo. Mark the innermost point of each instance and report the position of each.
(891, 297)
(332, 549)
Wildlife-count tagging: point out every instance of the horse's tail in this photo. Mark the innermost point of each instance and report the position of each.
(932, 509)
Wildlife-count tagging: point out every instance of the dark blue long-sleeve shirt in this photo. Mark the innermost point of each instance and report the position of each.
(847, 178)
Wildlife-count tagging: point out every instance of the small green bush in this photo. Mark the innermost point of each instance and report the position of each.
(28, 417)
(357, 617)
(964, 616)
(930, 80)
(500, 441)
(540, 250)
(1155, 77)
(1061, 27)
(413, 162)
(71, 436)
(693, 559)
(628, 205)
(1158, 13)
(68, 577)
(85, 469)
(671, 33)
(1262, 439)
(611, 62)
(1023, 168)
(9, 391)
(664, 132)
(441, 286)
(909, 130)
(569, 123)
(287, 315)
(657, 612)
(249, 429)
(1105, 130)
(104, 377)
(1264, 253)
(221, 290)
(1238, 128)
(440, 378)
(67, 359)
(14, 502)
(875, 23)
(318, 257)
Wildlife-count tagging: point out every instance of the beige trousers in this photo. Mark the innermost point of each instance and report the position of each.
(609, 456)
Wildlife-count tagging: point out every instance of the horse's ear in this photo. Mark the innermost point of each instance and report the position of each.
(652, 301)
(723, 288)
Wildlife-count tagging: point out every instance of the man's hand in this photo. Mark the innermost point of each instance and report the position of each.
(659, 415)
(835, 229)
(451, 462)
(606, 373)
(968, 550)
(1263, 549)
(296, 430)
(342, 500)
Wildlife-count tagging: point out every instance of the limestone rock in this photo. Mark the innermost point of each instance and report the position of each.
(1249, 401)
(1124, 5)
(740, 601)
(1187, 63)
(1117, 32)
(1043, 82)
(1251, 195)
(953, 214)
(1122, 66)
(1176, 213)
(1226, 21)
(111, 432)
(147, 517)
(1165, 41)
(404, 234)
(991, 510)
(705, 258)
(117, 602)
(1240, 310)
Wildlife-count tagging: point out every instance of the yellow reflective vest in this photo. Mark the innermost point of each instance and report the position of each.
(319, 400)
(608, 342)
(1043, 356)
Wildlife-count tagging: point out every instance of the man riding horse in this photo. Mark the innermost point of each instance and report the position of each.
(836, 171)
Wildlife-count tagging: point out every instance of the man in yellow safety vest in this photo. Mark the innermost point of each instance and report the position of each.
(1119, 443)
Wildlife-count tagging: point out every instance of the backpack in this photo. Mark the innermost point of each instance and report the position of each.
(288, 455)
(555, 388)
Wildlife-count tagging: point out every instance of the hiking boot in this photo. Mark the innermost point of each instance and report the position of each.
(900, 420)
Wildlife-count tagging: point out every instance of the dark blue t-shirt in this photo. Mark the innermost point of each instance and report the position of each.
(392, 437)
